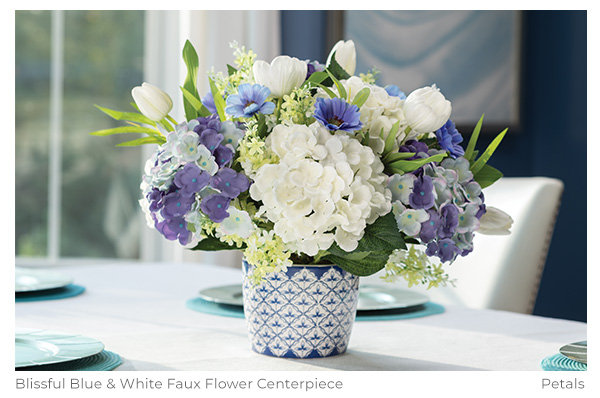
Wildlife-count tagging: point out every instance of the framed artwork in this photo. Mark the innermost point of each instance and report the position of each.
(472, 56)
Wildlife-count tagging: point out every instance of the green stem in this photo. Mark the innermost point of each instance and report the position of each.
(172, 120)
(278, 109)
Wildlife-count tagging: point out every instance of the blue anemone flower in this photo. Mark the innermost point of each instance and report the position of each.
(251, 98)
(395, 91)
(337, 114)
(449, 139)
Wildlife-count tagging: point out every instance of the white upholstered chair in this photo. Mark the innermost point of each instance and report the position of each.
(503, 272)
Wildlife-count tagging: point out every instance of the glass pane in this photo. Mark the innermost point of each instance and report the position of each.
(32, 94)
(103, 61)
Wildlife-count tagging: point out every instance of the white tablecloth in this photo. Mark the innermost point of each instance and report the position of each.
(139, 312)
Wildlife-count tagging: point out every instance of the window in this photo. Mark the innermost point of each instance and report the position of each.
(75, 194)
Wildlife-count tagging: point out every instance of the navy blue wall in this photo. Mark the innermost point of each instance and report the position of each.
(551, 141)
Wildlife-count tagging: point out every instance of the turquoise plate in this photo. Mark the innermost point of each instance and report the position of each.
(41, 347)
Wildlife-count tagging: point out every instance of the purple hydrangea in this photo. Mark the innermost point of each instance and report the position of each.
(154, 197)
(336, 114)
(417, 147)
(422, 196)
(174, 228)
(445, 249)
(191, 179)
(312, 67)
(211, 139)
(251, 99)
(211, 122)
(223, 155)
(175, 204)
(215, 207)
(229, 182)
(449, 218)
(429, 228)
(449, 139)
(208, 129)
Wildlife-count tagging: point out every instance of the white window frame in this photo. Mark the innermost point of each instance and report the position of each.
(165, 35)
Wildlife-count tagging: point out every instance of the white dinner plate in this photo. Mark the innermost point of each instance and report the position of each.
(41, 347)
(370, 297)
(576, 351)
(30, 280)
(384, 297)
(229, 294)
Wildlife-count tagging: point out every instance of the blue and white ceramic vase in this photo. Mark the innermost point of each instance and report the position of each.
(306, 312)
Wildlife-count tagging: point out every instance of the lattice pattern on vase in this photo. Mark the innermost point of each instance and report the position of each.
(306, 312)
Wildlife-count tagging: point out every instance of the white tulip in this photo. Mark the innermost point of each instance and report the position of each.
(426, 109)
(495, 222)
(345, 55)
(281, 76)
(154, 103)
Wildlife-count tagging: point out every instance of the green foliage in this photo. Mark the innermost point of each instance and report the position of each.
(361, 97)
(483, 173)
(195, 103)
(190, 57)
(406, 166)
(128, 116)
(317, 78)
(340, 86)
(154, 136)
(487, 154)
(469, 152)
(379, 241)
(390, 139)
(211, 243)
(219, 101)
(336, 70)
(487, 176)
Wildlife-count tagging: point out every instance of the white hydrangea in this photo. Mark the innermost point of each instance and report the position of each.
(379, 112)
(325, 188)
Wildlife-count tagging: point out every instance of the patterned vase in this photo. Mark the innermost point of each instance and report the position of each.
(306, 312)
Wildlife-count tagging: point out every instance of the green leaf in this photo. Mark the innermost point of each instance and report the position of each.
(231, 70)
(340, 87)
(487, 154)
(190, 57)
(370, 264)
(129, 116)
(391, 138)
(406, 166)
(395, 156)
(316, 78)
(361, 97)
(380, 239)
(126, 129)
(166, 125)
(327, 90)
(262, 125)
(195, 103)
(487, 176)
(337, 71)
(219, 101)
(143, 140)
(473, 140)
(214, 244)
(366, 138)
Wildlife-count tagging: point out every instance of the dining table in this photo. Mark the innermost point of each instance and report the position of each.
(141, 312)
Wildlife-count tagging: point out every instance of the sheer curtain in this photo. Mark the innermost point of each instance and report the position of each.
(210, 32)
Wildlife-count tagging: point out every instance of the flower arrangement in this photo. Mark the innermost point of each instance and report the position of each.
(298, 162)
